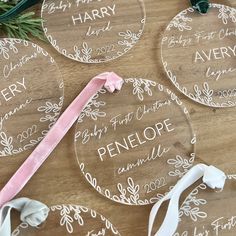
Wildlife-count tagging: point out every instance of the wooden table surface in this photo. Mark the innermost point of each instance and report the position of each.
(59, 180)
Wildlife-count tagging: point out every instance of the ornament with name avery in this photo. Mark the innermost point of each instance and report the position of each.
(199, 52)
(31, 88)
(99, 31)
(133, 154)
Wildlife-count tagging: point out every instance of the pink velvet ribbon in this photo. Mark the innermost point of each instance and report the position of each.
(110, 81)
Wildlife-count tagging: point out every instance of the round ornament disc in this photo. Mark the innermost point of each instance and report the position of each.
(31, 95)
(208, 213)
(96, 31)
(198, 55)
(70, 220)
(132, 146)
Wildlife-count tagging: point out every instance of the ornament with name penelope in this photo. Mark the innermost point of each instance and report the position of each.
(31, 95)
(199, 52)
(70, 220)
(93, 31)
(134, 145)
(208, 213)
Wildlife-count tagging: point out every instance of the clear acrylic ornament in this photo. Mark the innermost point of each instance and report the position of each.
(70, 220)
(198, 55)
(93, 31)
(132, 146)
(31, 95)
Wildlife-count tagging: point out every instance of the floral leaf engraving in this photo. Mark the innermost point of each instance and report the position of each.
(130, 38)
(84, 54)
(185, 233)
(6, 45)
(203, 95)
(17, 231)
(51, 111)
(4, 50)
(181, 165)
(141, 86)
(132, 190)
(92, 109)
(181, 21)
(128, 194)
(67, 218)
(226, 13)
(6, 142)
(71, 214)
(230, 177)
(190, 206)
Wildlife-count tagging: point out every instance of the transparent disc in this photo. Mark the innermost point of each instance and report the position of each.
(132, 146)
(96, 31)
(70, 220)
(198, 54)
(208, 213)
(31, 95)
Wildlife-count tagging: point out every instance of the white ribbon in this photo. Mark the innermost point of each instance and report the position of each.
(212, 177)
(32, 212)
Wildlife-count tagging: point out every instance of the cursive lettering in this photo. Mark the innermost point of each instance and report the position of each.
(97, 32)
(60, 6)
(203, 232)
(156, 152)
(8, 69)
(13, 112)
(220, 224)
(144, 110)
(177, 41)
(224, 33)
(216, 75)
(102, 232)
(120, 120)
(204, 36)
(78, 2)
(87, 134)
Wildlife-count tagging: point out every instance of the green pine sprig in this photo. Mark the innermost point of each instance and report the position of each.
(22, 26)
(5, 6)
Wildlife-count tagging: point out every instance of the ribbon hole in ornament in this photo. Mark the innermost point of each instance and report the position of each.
(42, 226)
(117, 91)
(202, 6)
(219, 190)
